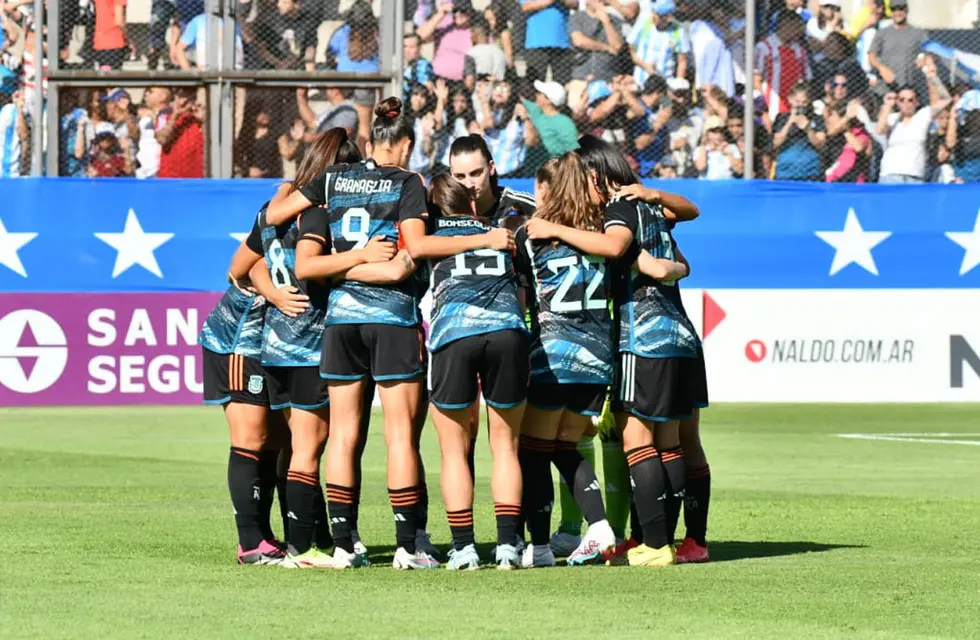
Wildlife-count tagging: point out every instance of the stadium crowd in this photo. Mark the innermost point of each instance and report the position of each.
(848, 100)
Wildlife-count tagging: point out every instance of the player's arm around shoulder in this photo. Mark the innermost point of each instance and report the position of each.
(675, 206)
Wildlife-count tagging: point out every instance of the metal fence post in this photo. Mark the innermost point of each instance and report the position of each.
(37, 108)
(53, 19)
(749, 96)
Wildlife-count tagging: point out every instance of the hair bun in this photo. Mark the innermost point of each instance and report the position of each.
(389, 108)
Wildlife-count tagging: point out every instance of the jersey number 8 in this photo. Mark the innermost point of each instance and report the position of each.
(278, 270)
(570, 264)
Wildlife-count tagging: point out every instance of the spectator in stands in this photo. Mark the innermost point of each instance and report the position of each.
(193, 42)
(713, 62)
(905, 159)
(864, 31)
(98, 116)
(500, 16)
(853, 160)
(181, 138)
(716, 158)
(827, 21)
(762, 146)
(794, 6)
(353, 48)
(659, 45)
(110, 157)
(286, 38)
(597, 38)
(557, 132)
(459, 117)
(838, 58)
(648, 114)
(683, 128)
(73, 147)
(153, 116)
(428, 114)
(781, 63)
(894, 51)
(109, 39)
(260, 146)
(484, 60)
(340, 111)
(546, 39)
(417, 69)
(453, 40)
(14, 136)
(120, 112)
(798, 138)
(965, 146)
(505, 127)
(669, 169)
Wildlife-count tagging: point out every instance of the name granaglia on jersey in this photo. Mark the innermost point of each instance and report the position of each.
(458, 223)
(357, 185)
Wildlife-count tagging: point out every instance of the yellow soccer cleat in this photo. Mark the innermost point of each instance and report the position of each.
(644, 556)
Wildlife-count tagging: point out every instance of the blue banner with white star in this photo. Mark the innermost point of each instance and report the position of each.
(80, 235)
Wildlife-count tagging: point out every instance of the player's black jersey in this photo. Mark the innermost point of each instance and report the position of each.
(510, 202)
(473, 293)
(570, 320)
(290, 341)
(363, 201)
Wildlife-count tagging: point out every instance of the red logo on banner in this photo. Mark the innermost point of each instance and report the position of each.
(755, 350)
(712, 315)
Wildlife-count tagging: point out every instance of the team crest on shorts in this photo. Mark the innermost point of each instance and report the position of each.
(255, 384)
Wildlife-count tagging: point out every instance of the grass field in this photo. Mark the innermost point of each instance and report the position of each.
(117, 523)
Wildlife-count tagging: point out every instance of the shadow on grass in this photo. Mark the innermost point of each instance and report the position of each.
(384, 554)
(729, 550)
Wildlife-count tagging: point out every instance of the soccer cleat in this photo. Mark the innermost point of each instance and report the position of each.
(362, 554)
(537, 556)
(598, 539)
(507, 557)
(644, 556)
(312, 558)
(520, 545)
(617, 555)
(424, 543)
(418, 560)
(690, 551)
(563, 544)
(465, 559)
(265, 553)
(344, 559)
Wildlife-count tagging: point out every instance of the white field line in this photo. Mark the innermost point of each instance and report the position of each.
(934, 438)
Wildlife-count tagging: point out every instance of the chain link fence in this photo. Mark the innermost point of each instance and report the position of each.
(838, 90)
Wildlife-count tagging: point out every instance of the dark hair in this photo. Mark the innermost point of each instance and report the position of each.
(546, 172)
(801, 86)
(391, 126)
(838, 42)
(450, 195)
(608, 163)
(330, 147)
(471, 144)
(480, 23)
(654, 84)
(907, 87)
(786, 16)
(430, 101)
(362, 42)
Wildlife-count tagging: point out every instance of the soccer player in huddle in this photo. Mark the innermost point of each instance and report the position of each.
(571, 364)
(660, 375)
(477, 338)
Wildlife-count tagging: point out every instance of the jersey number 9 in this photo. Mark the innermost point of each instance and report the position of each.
(354, 227)
(571, 266)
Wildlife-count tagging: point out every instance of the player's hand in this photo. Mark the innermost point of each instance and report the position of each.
(639, 192)
(290, 301)
(501, 240)
(538, 229)
(379, 250)
(243, 286)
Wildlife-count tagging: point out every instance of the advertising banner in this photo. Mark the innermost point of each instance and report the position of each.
(92, 349)
(842, 346)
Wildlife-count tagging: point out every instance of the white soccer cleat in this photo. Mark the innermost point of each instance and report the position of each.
(537, 556)
(564, 544)
(599, 539)
(424, 543)
(418, 560)
(507, 557)
(465, 559)
(343, 559)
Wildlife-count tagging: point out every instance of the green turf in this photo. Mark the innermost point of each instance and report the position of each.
(116, 523)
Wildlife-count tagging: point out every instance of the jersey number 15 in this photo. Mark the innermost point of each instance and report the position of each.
(571, 267)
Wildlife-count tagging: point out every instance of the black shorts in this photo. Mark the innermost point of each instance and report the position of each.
(296, 388)
(229, 377)
(584, 399)
(111, 58)
(496, 362)
(659, 389)
(383, 351)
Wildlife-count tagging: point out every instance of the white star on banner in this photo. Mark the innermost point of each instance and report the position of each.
(135, 246)
(10, 244)
(853, 244)
(970, 241)
(240, 237)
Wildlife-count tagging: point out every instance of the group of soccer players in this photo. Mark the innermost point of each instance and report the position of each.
(541, 304)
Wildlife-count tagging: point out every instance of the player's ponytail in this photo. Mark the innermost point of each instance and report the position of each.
(329, 148)
(607, 163)
(569, 203)
(390, 125)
